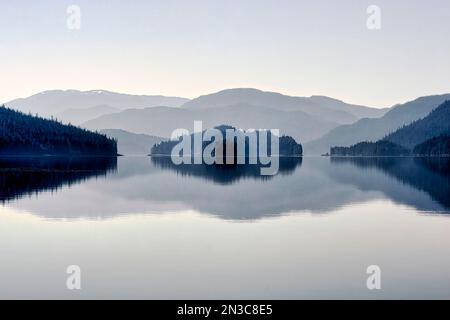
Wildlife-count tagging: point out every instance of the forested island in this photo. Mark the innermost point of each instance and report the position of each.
(288, 147)
(22, 134)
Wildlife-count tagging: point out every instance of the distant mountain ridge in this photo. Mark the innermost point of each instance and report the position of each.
(162, 121)
(427, 136)
(435, 124)
(131, 143)
(319, 122)
(302, 118)
(78, 116)
(330, 109)
(377, 128)
(65, 103)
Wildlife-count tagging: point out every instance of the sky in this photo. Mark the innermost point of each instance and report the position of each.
(190, 48)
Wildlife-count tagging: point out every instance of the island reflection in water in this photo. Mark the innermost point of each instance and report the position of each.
(228, 174)
(106, 187)
(141, 231)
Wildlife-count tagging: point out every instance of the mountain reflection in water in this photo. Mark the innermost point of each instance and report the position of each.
(428, 174)
(95, 188)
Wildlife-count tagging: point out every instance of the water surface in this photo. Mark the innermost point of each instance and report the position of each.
(140, 227)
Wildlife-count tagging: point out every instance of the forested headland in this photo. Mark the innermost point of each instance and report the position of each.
(429, 136)
(24, 134)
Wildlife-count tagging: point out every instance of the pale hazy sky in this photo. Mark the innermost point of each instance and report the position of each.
(189, 48)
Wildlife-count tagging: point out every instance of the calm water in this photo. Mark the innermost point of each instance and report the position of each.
(142, 228)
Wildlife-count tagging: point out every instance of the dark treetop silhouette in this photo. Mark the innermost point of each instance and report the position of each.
(437, 146)
(375, 149)
(22, 134)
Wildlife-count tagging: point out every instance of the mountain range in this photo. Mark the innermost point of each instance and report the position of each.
(78, 106)
(428, 135)
(318, 122)
(374, 129)
(302, 118)
(433, 125)
(330, 109)
(131, 143)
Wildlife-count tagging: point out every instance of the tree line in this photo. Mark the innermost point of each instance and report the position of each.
(25, 134)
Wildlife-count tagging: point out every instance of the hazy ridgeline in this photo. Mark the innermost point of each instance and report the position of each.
(303, 118)
(76, 106)
(433, 125)
(377, 128)
(129, 143)
(319, 122)
(426, 137)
